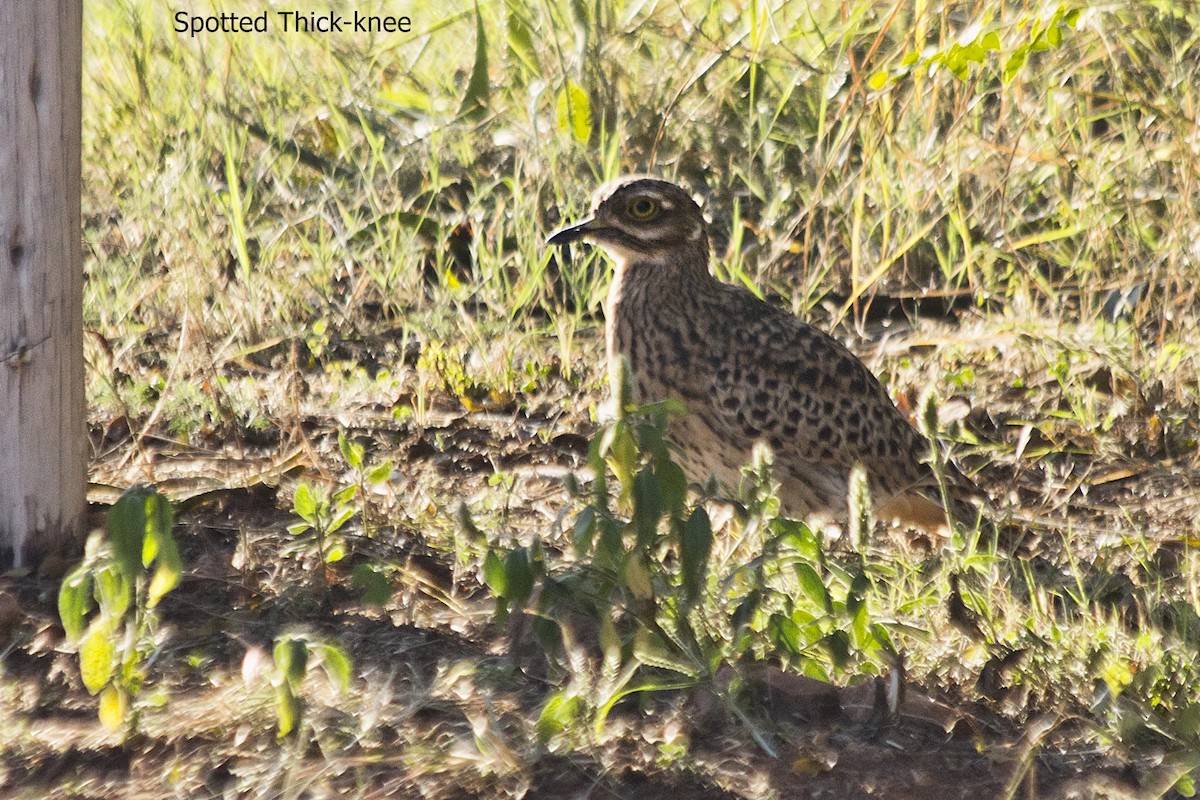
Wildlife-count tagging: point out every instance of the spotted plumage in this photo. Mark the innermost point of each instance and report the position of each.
(746, 371)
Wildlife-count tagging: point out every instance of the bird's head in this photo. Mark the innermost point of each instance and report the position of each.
(639, 219)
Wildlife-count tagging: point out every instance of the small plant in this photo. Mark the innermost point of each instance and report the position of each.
(107, 604)
(366, 476)
(672, 605)
(293, 655)
(322, 515)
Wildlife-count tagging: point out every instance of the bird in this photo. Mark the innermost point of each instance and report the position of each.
(746, 371)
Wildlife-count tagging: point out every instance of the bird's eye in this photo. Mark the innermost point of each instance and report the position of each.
(642, 208)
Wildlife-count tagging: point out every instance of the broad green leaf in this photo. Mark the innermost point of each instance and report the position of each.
(561, 712)
(345, 494)
(341, 518)
(673, 485)
(74, 601)
(878, 80)
(380, 472)
(97, 656)
(812, 586)
(475, 101)
(494, 574)
(304, 504)
(573, 110)
(1015, 62)
(838, 644)
(519, 574)
(785, 634)
(353, 452)
(375, 587)
(990, 41)
(113, 592)
(160, 521)
(114, 707)
(127, 525)
(335, 551)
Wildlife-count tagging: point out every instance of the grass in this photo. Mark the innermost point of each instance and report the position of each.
(293, 236)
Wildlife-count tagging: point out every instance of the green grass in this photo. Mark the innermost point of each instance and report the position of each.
(288, 236)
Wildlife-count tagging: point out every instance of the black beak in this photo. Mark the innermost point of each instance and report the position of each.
(574, 232)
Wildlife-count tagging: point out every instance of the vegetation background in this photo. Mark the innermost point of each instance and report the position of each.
(322, 320)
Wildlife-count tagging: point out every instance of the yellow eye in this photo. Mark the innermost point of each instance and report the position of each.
(642, 208)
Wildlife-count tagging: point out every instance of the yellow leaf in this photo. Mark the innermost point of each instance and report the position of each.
(574, 111)
(97, 657)
(114, 706)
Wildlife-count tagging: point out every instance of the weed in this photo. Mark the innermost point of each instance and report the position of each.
(107, 603)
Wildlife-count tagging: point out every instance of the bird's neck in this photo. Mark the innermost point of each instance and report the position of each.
(657, 279)
(648, 291)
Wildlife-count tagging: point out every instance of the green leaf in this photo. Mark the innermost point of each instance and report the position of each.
(291, 659)
(694, 551)
(647, 505)
(573, 110)
(113, 592)
(520, 38)
(812, 586)
(304, 504)
(785, 634)
(345, 494)
(519, 574)
(97, 656)
(169, 568)
(336, 663)
(609, 552)
(160, 521)
(375, 587)
(475, 101)
(75, 600)
(288, 708)
(494, 574)
(353, 452)
(878, 80)
(380, 472)
(335, 551)
(561, 712)
(990, 41)
(838, 644)
(341, 518)
(127, 525)
(1014, 63)
(673, 484)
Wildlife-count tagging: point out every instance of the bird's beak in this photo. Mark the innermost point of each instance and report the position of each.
(572, 233)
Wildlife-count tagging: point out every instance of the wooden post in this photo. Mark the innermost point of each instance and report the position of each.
(43, 433)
